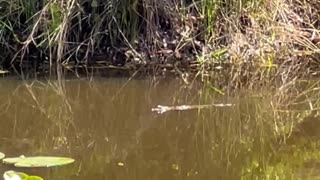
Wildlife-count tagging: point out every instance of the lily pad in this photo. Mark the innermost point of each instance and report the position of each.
(38, 161)
(43, 161)
(2, 155)
(13, 175)
(13, 160)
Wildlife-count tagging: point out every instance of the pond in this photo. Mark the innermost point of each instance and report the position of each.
(107, 126)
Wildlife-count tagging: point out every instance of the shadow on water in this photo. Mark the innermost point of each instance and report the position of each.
(108, 127)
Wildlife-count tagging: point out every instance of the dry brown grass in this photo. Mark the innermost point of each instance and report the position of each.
(267, 34)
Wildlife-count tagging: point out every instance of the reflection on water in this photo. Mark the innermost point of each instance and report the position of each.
(108, 127)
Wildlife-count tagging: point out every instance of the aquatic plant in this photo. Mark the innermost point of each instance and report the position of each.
(2, 155)
(13, 175)
(38, 161)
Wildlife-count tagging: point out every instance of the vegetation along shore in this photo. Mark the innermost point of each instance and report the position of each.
(161, 35)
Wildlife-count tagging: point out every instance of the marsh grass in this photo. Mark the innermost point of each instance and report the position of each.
(274, 34)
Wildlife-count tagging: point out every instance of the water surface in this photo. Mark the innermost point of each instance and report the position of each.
(108, 127)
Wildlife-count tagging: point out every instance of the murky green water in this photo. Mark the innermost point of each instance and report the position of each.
(108, 127)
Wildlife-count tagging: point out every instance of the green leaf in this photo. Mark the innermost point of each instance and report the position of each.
(13, 175)
(43, 161)
(38, 161)
(215, 89)
(12, 160)
(218, 53)
(34, 178)
(2, 155)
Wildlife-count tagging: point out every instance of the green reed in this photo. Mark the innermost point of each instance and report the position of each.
(258, 32)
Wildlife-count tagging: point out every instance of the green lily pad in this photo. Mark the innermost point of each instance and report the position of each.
(43, 161)
(13, 175)
(38, 161)
(2, 155)
(13, 160)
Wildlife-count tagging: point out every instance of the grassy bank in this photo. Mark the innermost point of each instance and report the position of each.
(181, 35)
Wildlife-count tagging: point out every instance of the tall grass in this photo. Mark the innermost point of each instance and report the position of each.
(65, 32)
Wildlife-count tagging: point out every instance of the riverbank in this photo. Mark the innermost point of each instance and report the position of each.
(192, 37)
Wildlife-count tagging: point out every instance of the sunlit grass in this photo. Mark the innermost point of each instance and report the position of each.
(264, 34)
